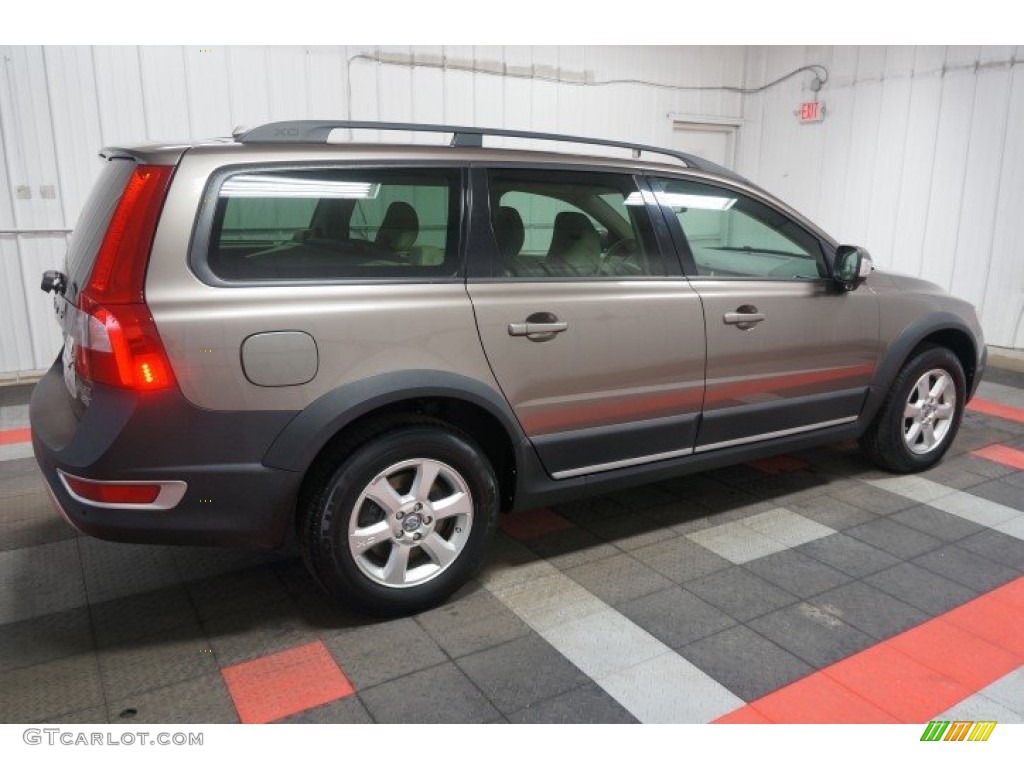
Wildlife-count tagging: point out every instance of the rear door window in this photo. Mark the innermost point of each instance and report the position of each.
(335, 224)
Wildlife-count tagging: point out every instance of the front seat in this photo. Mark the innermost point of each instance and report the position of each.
(575, 246)
(400, 228)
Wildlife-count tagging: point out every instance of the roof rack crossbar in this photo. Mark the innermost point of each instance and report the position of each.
(318, 132)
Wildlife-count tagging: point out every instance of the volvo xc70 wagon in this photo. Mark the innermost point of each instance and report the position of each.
(382, 348)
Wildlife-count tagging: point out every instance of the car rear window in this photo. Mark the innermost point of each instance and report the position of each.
(92, 222)
(335, 224)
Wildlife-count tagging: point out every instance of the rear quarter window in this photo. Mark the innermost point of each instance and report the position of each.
(335, 224)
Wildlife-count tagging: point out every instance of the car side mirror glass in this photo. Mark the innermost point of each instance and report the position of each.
(852, 266)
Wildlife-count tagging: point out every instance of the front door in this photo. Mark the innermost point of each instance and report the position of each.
(596, 339)
(787, 352)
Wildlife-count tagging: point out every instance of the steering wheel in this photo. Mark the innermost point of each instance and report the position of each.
(621, 259)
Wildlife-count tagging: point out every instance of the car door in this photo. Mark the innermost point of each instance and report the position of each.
(787, 351)
(595, 337)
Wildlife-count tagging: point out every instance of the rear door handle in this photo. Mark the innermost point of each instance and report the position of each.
(540, 326)
(744, 317)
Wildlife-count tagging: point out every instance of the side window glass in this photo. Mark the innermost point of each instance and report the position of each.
(555, 224)
(731, 235)
(335, 224)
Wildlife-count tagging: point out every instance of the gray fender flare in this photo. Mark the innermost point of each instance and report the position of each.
(301, 440)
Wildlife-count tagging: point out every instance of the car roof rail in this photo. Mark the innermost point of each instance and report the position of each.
(318, 132)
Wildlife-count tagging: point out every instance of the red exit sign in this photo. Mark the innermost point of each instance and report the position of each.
(811, 112)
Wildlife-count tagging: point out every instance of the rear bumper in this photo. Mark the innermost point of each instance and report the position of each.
(230, 497)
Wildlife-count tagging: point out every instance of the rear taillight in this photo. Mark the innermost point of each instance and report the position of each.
(116, 341)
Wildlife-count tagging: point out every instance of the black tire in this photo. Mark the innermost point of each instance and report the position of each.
(339, 481)
(884, 442)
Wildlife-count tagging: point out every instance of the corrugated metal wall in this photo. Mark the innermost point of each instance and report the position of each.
(920, 158)
(59, 105)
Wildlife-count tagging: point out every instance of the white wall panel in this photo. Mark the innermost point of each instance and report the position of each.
(919, 159)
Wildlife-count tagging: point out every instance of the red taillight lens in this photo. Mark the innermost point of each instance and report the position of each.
(116, 340)
(113, 493)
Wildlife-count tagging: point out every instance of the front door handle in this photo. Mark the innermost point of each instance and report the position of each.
(744, 317)
(540, 326)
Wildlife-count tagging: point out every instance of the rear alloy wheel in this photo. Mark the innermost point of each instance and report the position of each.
(403, 520)
(921, 414)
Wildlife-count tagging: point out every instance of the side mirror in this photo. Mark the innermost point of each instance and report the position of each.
(852, 266)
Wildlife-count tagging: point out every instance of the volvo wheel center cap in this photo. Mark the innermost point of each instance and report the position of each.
(411, 522)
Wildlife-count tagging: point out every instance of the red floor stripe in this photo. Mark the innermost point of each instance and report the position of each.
(911, 677)
(532, 524)
(990, 408)
(10, 436)
(282, 684)
(1002, 454)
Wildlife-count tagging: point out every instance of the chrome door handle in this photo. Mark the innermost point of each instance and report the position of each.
(541, 326)
(744, 317)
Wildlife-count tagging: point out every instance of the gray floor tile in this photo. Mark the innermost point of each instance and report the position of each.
(967, 568)
(921, 588)
(736, 542)
(45, 638)
(38, 580)
(869, 609)
(113, 569)
(675, 616)
(680, 559)
(29, 520)
(143, 665)
(643, 497)
(375, 653)
(585, 510)
(472, 623)
(617, 579)
(270, 628)
(571, 547)
(980, 707)
(797, 573)
(849, 555)
(235, 591)
(1003, 549)
(441, 694)
(143, 615)
(347, 710)
(588, 704)
(521, 673)
(203, 699)
(895, 538)
(937, 523)
(1000, 492)
(18, 467)
(835, 513)
(629, 532)
(195, 563)
(745, 662)
(811, 634)
(1009, 691)
(30, 695)
(740, 593)
(81, 717)
(874, 499)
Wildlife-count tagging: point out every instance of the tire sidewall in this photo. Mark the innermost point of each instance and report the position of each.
(336, 567)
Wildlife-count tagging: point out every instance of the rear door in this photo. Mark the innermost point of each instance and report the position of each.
(595, 338)
(787, 352)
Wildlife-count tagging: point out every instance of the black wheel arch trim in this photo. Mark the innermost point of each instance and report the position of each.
(900, 349)
(304, 437)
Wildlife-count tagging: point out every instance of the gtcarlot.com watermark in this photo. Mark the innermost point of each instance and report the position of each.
(70, 738)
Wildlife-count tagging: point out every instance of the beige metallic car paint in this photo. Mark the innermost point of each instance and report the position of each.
(633, 350)
(813, 340)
